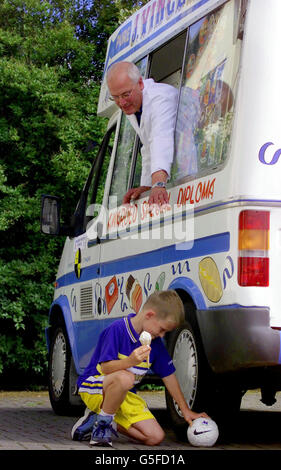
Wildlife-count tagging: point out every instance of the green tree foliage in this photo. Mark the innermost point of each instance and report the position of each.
(51, 60)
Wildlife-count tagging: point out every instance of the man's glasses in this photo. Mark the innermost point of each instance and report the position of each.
(123, 96)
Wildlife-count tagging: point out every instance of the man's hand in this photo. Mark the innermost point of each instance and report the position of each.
(134, 193)
(158, 196)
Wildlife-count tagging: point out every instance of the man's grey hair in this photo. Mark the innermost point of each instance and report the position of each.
(132, 70)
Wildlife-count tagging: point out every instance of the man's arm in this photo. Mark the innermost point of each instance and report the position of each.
(158, 195)
(173, 387)
(161, 147)
(163, 107)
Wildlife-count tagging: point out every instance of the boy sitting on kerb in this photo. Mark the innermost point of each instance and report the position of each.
(120, 362)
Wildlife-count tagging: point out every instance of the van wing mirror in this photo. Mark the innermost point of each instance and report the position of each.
(50, 215)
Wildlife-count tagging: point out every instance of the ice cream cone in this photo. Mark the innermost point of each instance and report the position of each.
(145, 339)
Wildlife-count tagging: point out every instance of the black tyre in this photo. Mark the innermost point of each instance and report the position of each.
(61, 375)
(191, 370)
(201, 388)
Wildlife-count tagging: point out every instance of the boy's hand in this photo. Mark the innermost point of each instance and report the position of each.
(174, 389)
(190, 415)
(139, 355)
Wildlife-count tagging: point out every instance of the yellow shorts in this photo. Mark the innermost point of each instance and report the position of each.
(132, 410)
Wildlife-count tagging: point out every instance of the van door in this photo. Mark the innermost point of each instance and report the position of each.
(72, 333)
(84, 291)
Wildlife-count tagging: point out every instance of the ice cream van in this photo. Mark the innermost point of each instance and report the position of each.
(218, 242)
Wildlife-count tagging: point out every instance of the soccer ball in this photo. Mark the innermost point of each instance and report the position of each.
(203, 432)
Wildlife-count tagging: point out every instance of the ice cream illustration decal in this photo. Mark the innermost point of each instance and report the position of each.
(111, 294)
(134, 293)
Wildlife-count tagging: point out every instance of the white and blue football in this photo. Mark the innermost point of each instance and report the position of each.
(203, 432)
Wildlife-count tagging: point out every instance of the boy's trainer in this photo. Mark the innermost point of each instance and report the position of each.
(82, 430)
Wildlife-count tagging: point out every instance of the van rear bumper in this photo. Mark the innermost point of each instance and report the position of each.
(239, 338)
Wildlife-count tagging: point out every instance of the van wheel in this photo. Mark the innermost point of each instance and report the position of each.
(199, 384)
(60, 373)
(184, 351)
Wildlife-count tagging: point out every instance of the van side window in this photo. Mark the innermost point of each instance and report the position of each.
(93, 191)
(124, 151)
(207, 95)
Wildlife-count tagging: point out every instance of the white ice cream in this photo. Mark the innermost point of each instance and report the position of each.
(145, 338)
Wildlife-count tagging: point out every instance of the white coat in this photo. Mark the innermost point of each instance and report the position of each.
(157, 128)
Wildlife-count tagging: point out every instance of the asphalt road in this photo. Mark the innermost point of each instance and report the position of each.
(27, 423)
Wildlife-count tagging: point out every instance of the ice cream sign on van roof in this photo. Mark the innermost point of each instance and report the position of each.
(152, 25)
(155, 19)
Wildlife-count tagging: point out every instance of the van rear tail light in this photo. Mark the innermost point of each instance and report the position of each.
(253, 260)
(253, 271)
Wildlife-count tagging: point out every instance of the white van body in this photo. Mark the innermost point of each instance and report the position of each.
(219, 243)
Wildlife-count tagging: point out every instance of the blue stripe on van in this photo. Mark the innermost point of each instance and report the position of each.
(217, 243)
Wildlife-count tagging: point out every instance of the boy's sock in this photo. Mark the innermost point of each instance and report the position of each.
(113, 424)
(102, 413)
